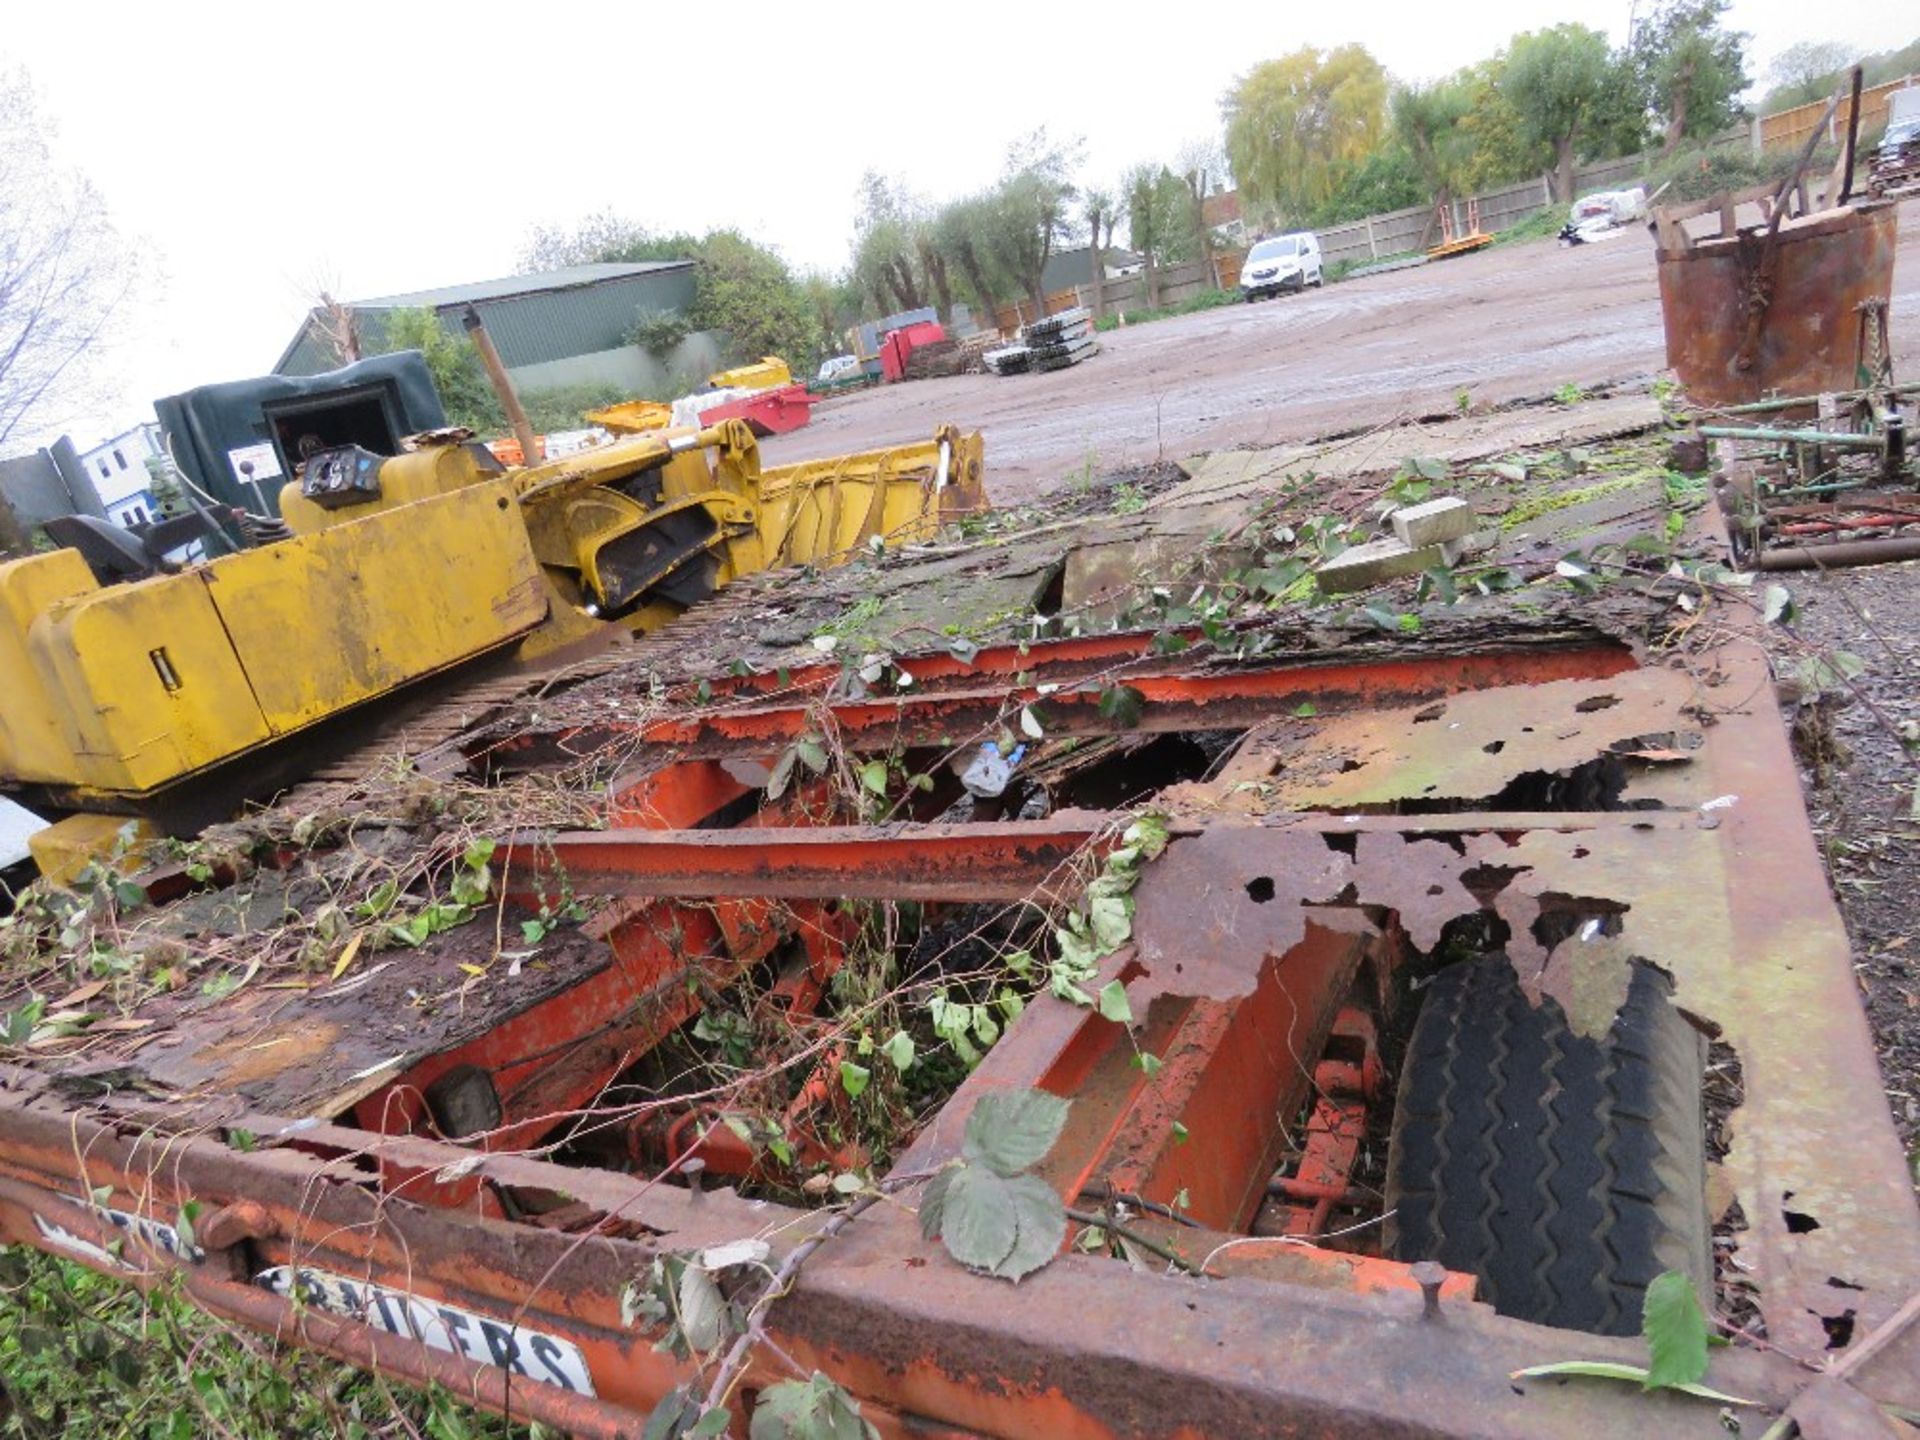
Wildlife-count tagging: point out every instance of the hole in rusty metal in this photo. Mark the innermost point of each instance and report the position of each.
(1798, 1221)
(1260, 889)
(1494, 747)
(1432, 712)
(1348, 844)
(1597, 702)
(1839, 1329)
(1564, 916)
(1837, 1283)
(1349, 765)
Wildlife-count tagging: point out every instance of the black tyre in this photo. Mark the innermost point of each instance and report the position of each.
(1565, 1171)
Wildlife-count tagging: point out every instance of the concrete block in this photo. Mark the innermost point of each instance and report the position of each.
(1447, 518)
(1377, 560)
(1478, 543)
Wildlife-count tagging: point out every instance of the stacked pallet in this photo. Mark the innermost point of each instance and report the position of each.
(1050, 344)
(1014, 359)
(1062, 340)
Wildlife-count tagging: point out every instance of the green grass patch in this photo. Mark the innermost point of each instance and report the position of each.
(1205, 300)
(82, 1355)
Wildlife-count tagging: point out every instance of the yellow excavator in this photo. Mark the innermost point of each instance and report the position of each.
(129, 679)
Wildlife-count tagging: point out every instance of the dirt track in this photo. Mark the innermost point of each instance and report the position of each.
(1500, 324)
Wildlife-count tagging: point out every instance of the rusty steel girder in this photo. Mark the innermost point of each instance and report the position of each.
(1334, 839)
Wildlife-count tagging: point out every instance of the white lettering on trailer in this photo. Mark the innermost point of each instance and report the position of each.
(530, 1354)
(153, 1234)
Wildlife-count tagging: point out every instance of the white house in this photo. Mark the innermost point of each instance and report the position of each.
(118, 469)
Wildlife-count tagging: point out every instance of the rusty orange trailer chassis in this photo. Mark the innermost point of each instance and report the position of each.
(1264, 938)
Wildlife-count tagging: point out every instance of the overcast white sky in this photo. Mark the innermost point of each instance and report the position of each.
(389, 147)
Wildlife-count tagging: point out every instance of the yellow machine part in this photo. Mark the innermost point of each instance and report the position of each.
(127, 688)
(819, 512)
(631, 417)
(124, 690)
(769, 372)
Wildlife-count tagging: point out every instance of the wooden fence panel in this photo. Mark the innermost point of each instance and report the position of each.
(1786, 129)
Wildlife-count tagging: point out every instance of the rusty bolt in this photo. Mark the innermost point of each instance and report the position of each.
(1429, 1275)
(695, 1171)
(230, 1224)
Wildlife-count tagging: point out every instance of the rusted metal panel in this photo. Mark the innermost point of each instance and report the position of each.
(1820, 271)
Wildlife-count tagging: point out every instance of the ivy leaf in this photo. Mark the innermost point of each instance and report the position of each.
(854, 1078)
(782, 773)
(873, 775)
(1030, 724)
(1122, 705)
(963, 650)
(1113, 1003)
(1010, 1130)
(813, 1409)
(1676, 1331)
(1778, 604)
(899, 1050)
(1147, 1063)
(1112, 920)
(676, 1410)
(933, 1202)
(1426, 467)
(812, 754)
(979, 1223)
(711, 1424)
(703, 1309)
(1006, 1225)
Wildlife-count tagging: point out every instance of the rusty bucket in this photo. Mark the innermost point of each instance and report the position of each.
(1812, 283)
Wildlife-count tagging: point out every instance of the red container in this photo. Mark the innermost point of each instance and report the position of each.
(770, 412)
(901, 343)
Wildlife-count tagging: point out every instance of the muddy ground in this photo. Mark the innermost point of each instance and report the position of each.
(1513, 321)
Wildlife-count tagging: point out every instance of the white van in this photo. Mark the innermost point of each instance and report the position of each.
(1284, 262)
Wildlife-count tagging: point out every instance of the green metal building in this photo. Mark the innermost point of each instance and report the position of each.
(555, 328)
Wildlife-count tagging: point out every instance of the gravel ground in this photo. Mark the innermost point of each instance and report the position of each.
(1505, 323)
(1859, 776)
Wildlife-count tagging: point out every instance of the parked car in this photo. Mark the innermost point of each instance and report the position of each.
(837, 367)
(1284, 262)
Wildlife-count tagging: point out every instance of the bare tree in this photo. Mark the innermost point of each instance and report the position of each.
(63, 271)
(1202, 166)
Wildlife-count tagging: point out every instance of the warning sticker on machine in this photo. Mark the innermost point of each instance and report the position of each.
(530, 1354)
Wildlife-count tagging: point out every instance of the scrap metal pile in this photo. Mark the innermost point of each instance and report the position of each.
(661, 1031)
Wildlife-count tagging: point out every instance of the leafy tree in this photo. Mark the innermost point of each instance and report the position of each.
(1292, 123)
(885, 256)
(1386, 179)
(1557, 80)
(960, 229)
(1502, 148)
(63, 272)
(1031, 209)
(741, 288)
(1690, 68)
(746, 292)
(452, 360)
(1804, 73)
(1098, 207)
(1427, 120)
(1156, 205)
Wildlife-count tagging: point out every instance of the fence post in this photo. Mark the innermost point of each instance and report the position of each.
(1372, 249)
(1758, 147)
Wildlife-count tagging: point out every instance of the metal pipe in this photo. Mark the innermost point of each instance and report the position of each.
(1788, 402)
(1845, 553)
(502, 385)
(1846, 439)
(1853, 134)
